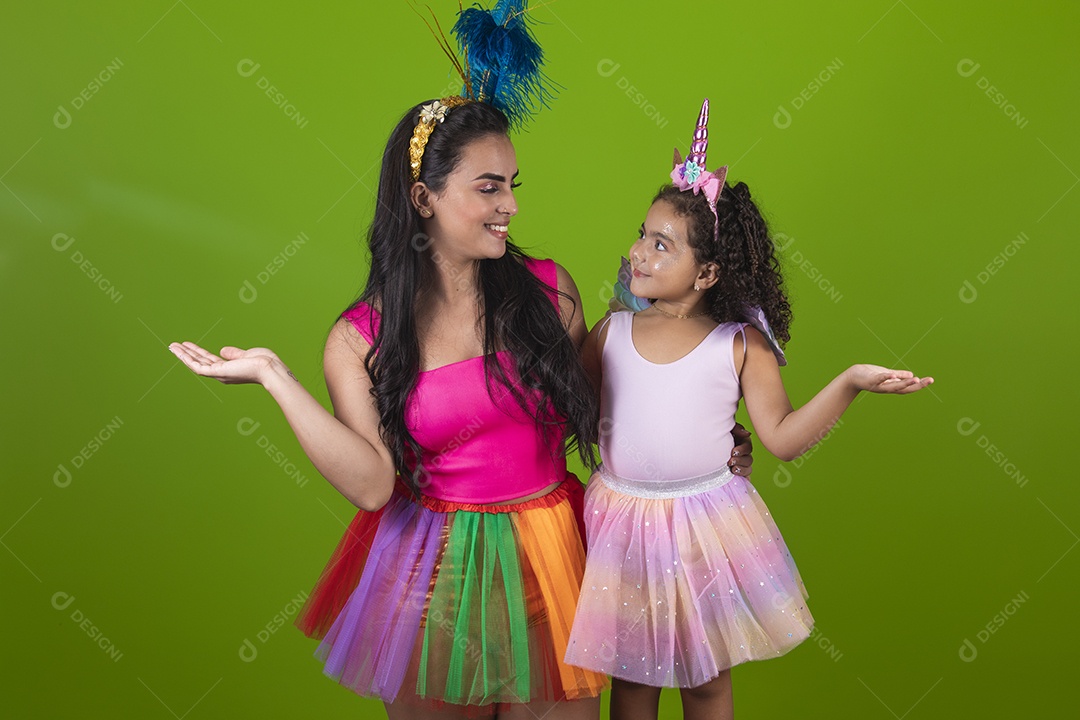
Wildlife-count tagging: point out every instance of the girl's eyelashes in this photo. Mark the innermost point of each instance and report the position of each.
(514, 186)
(658, 244)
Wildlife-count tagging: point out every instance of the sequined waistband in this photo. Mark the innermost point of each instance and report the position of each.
(664, 489)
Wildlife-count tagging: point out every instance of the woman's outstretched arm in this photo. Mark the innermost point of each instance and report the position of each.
(788, 433)
(345, 447)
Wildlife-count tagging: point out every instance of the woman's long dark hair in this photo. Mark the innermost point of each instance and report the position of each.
(518, 313)
(749, 272)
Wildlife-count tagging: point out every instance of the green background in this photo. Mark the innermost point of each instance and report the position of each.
(866, 133)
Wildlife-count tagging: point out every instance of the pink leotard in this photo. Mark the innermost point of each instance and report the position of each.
(675, 419)
(474, 449)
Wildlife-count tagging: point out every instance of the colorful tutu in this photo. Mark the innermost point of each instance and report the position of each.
(444, 602)
(684, 580)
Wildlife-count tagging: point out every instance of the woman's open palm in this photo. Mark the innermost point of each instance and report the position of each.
(234, 366)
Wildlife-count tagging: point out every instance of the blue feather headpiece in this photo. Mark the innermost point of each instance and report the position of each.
(502, 67)
(503, 61)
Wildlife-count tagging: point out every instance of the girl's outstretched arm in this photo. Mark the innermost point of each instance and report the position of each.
(788, 433)
(344, 447)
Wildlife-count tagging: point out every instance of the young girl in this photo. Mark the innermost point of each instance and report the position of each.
(687, 575)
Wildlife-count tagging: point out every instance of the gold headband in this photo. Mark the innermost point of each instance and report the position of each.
(433, 112)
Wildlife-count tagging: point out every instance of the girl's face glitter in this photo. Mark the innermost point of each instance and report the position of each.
(662, 260)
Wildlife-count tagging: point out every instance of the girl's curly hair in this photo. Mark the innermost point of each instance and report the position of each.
(749, 269)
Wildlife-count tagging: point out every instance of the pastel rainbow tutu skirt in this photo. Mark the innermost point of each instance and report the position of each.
(684, 580)
(445, 603)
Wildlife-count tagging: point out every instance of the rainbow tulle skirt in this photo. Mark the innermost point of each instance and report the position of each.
(684, 580)
(446, 603)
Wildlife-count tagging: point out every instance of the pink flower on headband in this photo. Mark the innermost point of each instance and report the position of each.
(691, 176)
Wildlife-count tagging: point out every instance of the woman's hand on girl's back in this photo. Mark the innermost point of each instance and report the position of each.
(234, 366)
(742, 458)
(877, 379)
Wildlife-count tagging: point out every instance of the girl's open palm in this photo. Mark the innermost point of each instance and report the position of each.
(877, 379)
(232, 367)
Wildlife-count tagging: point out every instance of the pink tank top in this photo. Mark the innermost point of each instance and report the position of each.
(476, 450)
(672, 421)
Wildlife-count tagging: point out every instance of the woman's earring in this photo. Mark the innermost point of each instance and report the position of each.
(696, 288)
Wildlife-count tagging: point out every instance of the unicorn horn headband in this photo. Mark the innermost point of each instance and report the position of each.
(692, 175)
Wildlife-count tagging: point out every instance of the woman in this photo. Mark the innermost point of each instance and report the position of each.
(456, 385)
